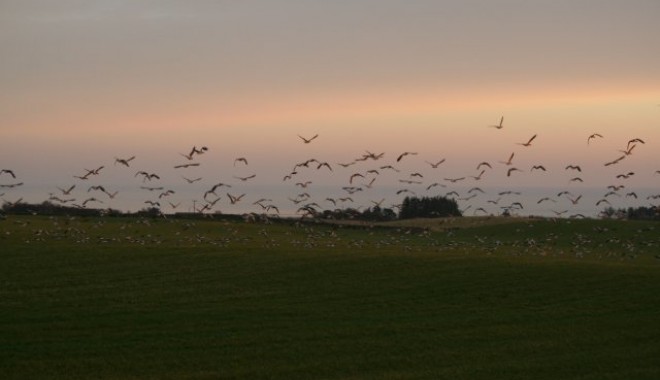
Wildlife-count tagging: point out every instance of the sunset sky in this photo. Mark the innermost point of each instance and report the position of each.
(85, 81)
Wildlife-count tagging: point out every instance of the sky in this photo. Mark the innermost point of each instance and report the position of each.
(86, 81)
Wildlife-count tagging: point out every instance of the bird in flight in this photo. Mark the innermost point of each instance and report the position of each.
(235, 198)
(498, 126)
(593, 136)
(8, 171)
(191, 180)
(529, 142)
(402, 155)
(615, 161)
(241, 159)
(508, 173)
(509, 161)
(67, 191)
(124, 161)
(246, 178)
(538, 167)
(309, 140)
(574, 167)
(629, 149)
(484, 164)
(186, 165)
(435, 165)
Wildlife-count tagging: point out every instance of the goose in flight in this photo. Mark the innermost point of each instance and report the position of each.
(454, 180)
(402, 155)
(151, 188)
(353, 176)
(147, 176)
(191, 180)
(435, 165)
(576, 200)
(593, 136)
(576, 179)
(484, 164)
(245, 178)
(574, 167)
(99, 187)
(498, 126)
(12, 185)
(429, 187)
(67, 191)
(124, 161)
(511, 170)
(478, 177)
(626, 176)
(186, 165)
(636, 140)
(8, 171)
(322, 164)
(615, 161)
(537, 167)
(410, 182)
(241, 159)
(390, 167)
(509, 161)
(529, 142)
(235, 198)
(628, 150)
(309, 140)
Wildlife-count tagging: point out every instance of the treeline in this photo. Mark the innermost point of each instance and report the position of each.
(633, 213)
(428, 207)
(372, 214)
(49, 208)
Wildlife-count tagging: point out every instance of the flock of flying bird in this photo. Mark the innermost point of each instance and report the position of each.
(308, 204)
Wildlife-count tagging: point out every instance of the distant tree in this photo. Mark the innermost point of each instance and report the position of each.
(428, 207)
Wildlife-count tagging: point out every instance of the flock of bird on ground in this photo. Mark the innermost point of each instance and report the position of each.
(413, 184)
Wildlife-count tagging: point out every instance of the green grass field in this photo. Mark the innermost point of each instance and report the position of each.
(127, 298)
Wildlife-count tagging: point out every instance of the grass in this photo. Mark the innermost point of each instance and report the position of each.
(139, 299)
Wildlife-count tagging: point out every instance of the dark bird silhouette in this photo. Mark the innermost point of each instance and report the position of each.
(509, 161)
(636, 140)
(235, 198)
(498, 126)
(309, 140)
(436, 164)
(322, 164)
(593, 136)
(67, 191)
(353, 176)
(246, 178)
(484, 164)
(615, 161)
(124, 161)
(8, 171)
(576, 179)
(537, 167)
(478, 177)
(574, 167)
(402, 155)
(191, 180)
(626, 176)
(241, 159)
(529, 142)
(511, 170)
(628, 150)
(186, 165)
(147, 176)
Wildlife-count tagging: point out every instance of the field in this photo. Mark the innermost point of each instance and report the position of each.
(129, 298)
